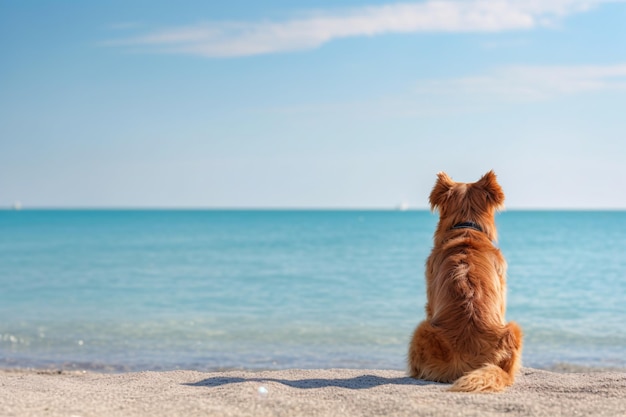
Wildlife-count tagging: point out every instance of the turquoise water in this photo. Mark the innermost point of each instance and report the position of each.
(134, 290)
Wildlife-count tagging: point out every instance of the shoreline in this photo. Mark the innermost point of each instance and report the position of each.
(104, 368)
(289, 392)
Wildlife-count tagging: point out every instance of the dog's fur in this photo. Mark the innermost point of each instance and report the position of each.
(464, 337)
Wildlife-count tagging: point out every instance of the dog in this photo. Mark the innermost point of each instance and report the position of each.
(464, 338)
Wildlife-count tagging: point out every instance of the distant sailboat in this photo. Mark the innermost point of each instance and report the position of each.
(17, 206)
(404, 206)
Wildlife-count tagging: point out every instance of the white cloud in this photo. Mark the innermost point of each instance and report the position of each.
(229, 39)
(532, 82)
(441, 97)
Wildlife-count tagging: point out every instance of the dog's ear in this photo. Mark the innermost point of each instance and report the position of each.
(441, 190)
(489, 184)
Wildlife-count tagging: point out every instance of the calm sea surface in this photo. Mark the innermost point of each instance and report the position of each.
(136, 290)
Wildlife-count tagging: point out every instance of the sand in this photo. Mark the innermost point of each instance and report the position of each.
(332, 392)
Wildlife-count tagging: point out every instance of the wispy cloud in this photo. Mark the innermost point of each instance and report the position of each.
(230, 39)
(532, 82)
(433, 98)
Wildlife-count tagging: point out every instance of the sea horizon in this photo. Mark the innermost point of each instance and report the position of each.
(289, 208)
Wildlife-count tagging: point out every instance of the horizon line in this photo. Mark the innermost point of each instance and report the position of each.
(279, 208)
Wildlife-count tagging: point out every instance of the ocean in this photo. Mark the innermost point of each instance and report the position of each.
(129, 290)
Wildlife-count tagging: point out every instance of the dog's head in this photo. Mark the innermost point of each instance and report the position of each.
(459, 202)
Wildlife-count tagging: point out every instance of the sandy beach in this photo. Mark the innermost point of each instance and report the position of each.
(333, 392)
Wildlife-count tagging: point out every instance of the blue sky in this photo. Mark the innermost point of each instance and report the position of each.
(310, 104)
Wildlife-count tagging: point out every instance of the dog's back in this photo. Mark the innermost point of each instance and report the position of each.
(464, 337)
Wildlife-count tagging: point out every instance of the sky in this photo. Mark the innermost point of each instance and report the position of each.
(325, 104)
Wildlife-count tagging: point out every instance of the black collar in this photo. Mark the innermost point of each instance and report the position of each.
(467, 225)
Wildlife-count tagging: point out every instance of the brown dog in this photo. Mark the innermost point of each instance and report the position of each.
(464, 337)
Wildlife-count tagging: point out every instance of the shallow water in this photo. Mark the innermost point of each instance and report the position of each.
(130, 290)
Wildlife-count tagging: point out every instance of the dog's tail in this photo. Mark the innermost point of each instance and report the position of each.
(489, 378)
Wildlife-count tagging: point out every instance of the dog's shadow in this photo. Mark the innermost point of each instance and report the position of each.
(356, 383)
